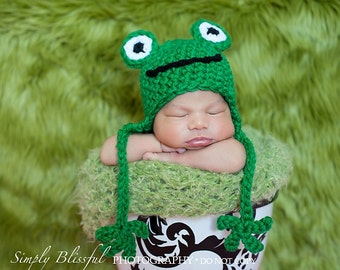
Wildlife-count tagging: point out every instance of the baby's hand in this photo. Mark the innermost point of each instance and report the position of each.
(168, 149)
(168, 154)
(163, 156)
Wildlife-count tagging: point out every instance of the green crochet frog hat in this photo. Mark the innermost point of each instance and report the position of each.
(168, 70)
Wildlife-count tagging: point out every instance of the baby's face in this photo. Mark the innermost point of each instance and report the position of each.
(194, 120)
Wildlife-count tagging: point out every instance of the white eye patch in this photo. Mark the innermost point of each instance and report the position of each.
(211, 32)
(138, 47)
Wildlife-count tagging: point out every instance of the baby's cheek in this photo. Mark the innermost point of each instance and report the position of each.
(171, 137)
(224, 129)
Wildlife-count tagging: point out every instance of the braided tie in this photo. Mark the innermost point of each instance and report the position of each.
(117, 238)
(243, 230)
(121, 235)
(244, 227)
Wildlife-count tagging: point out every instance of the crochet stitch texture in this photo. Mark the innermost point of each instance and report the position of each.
(168, 70)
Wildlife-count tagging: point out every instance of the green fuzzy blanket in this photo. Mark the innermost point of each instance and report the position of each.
(64, 89)
(170, 190)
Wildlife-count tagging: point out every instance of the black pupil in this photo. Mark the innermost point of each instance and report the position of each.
(138, 47)
(212, 31)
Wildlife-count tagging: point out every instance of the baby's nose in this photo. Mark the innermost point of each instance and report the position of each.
(198, 121)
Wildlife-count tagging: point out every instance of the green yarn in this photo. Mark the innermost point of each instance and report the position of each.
(169, 70)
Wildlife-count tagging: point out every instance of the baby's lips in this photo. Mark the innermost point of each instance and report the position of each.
(199, 142)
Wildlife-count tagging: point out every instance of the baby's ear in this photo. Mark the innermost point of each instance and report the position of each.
(137, 47)
(207, 31)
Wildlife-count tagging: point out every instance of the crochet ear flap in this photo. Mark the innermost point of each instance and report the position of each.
(211, 32)
(137, 47)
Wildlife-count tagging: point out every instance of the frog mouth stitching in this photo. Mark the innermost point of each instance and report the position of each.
(180, 63)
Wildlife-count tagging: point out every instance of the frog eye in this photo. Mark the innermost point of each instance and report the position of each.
(211, 32)
(137, 47)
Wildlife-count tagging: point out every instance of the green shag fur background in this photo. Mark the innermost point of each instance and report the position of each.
(64, 89)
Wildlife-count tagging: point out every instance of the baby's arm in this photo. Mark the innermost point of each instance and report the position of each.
(225, 156)
(138, 145)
